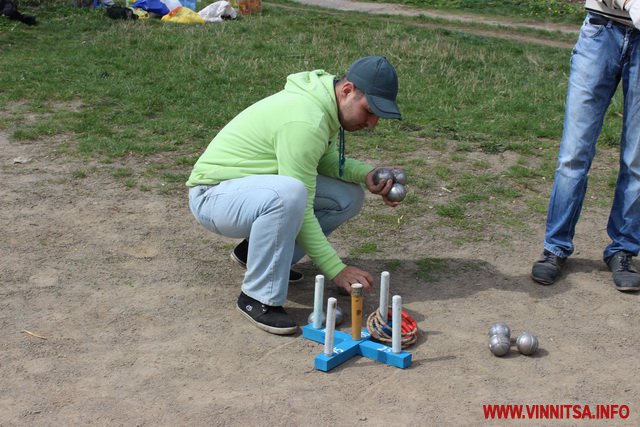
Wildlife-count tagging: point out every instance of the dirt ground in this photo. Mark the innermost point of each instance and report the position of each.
(116, 308)
(136, 303)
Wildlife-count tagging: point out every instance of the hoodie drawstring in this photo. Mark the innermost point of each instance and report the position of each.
(341, 159)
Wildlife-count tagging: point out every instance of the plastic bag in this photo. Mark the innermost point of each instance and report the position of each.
(172, 4)
(191, 4)
(154, 6)
(218, 11)
(183, 15)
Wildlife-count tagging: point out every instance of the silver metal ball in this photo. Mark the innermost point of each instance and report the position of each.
(397, 193)
(527, 343)
(500, 329)
(339, 317)
(382, 174)
(499, 345)
(324, 318)
(400, 176)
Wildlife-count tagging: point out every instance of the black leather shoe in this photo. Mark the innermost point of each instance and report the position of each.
(547, 269)
(625, 276)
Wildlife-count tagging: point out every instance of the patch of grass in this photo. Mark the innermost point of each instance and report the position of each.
(443, 172)
(430, 269)
(439, 144)
(157, 94)
(612, 180)
(471, 198)
(479, 164)
(122, 173)
(176, 177)
(366, 248)
(503, 191)
(493, 147)
(185, 161)
(454, 157)
(551, 10)
(452, 211)
(142, 95)
(538, 206)
(392, 265)
(411, 199)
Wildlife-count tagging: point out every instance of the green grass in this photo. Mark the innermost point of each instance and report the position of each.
(366, 248)
(482, 116)
(430, 269)
(545, 10)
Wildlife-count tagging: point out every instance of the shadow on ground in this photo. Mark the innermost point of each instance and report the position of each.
(437, 279)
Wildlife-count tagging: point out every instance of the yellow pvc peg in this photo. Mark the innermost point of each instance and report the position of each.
(356, 311)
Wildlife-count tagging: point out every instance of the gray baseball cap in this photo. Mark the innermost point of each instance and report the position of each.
(377, 78)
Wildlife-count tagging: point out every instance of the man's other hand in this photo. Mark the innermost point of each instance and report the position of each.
(350, 275)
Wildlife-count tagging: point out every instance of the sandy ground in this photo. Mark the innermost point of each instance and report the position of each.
(131, 304)
(135, 304)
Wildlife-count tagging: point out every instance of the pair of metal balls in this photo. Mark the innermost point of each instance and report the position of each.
(398, 191)
(500, 341)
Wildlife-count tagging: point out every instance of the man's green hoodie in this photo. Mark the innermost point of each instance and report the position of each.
(291, 133)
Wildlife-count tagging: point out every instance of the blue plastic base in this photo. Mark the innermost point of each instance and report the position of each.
(345, 347)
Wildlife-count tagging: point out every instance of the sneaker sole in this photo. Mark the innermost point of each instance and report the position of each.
(271, 329)
(238, 261)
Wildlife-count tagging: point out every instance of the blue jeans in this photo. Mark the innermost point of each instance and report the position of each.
(604, 55)
(270, 209)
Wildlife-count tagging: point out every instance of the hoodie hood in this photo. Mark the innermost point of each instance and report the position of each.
(318, 86)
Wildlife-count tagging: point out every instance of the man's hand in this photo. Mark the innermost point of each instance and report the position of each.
(382, 188)
(633, 7)
(350, 275)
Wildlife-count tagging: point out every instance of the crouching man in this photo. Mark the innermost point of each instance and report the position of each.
(276, 176)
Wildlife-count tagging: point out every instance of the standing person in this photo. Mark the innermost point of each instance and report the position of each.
(607, 53)
(276, 175)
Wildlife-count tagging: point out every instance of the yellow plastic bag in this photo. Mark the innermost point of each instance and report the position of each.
(183, 15)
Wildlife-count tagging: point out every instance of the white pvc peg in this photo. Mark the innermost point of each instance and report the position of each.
(331, 326)
(317, 302)
(384, 294)
(396, 324)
